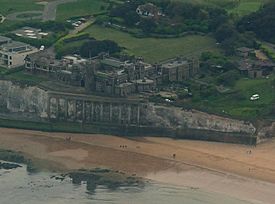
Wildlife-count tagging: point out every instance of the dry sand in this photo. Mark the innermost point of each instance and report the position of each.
(240, 171)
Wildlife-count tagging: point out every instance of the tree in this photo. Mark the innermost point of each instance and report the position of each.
(147, 25)
(224, 32)
(262, 22)
(228, 78)
(217, 17)
(94, 47)
(131, 18)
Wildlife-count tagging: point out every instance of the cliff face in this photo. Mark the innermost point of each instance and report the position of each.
(25, 100)
(177, 118)
(267, 131)
(29, 102)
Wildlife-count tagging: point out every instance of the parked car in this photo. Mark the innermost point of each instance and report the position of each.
(254, 97)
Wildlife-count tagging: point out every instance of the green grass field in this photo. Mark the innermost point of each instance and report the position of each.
(242, 107)
(247, 6)
(248, 87)
(18, 75)
(153, 49)
(80, 8)
(12, 6)
(90, 7)
(244, 7)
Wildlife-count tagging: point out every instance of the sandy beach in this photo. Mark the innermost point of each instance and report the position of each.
(240, 171)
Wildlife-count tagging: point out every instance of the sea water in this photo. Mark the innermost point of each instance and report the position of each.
(17, 186)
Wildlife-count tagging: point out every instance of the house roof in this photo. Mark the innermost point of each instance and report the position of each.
(245, 49)
(245, 65)
(174, 63)
(260, 55)
(14, 44)
(144, 81)
(112, 62)
(126, 84)
(148, 7)
(264, 64)
(43, 58)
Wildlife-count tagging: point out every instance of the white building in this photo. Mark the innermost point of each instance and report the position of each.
(13, 53)
(149, 10)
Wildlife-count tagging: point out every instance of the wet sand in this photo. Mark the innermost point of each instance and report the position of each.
(240, 171)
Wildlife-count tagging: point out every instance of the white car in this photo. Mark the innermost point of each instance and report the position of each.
(254, 97)
(168, 100)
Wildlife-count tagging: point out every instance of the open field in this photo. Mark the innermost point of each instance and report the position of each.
(80, 8)
(237, 102)
(12, 6)
(19, 75)
(243, 7)
(247, 6)
(153, 49)
(90, 7)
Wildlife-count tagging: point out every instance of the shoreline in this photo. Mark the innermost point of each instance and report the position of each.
(229, 169)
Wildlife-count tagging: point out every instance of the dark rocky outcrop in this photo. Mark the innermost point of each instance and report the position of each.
(8, 166)
(104, 177)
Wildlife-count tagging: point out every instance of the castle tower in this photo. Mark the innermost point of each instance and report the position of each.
(90, 76)
(130, 69)
(140, 69)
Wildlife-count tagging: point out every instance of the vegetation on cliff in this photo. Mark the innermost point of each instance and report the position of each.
(262, 23)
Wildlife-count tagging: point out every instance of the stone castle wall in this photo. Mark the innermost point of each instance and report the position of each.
(93, 109)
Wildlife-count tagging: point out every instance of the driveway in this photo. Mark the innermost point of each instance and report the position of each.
(25, 15)
(49, 13)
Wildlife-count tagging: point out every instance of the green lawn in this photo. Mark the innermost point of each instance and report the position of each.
(11, 6)
(244, 7)
(17, 74)
(62, 48)
(153, 49)
(80, 8)
(247, 6)
(238, 103)
(21, 76)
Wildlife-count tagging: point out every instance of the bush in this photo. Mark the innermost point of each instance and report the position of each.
(182, 94)
(238, 96)
(261, 22)
(229, 78)
(94, 47)
(78, 37)
(208, 91)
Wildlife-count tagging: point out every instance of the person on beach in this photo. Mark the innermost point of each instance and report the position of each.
(68, 139)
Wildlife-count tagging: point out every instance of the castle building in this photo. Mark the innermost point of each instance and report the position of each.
(179, 69)
(109, 76)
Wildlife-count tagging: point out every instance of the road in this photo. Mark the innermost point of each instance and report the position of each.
(49, 13)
